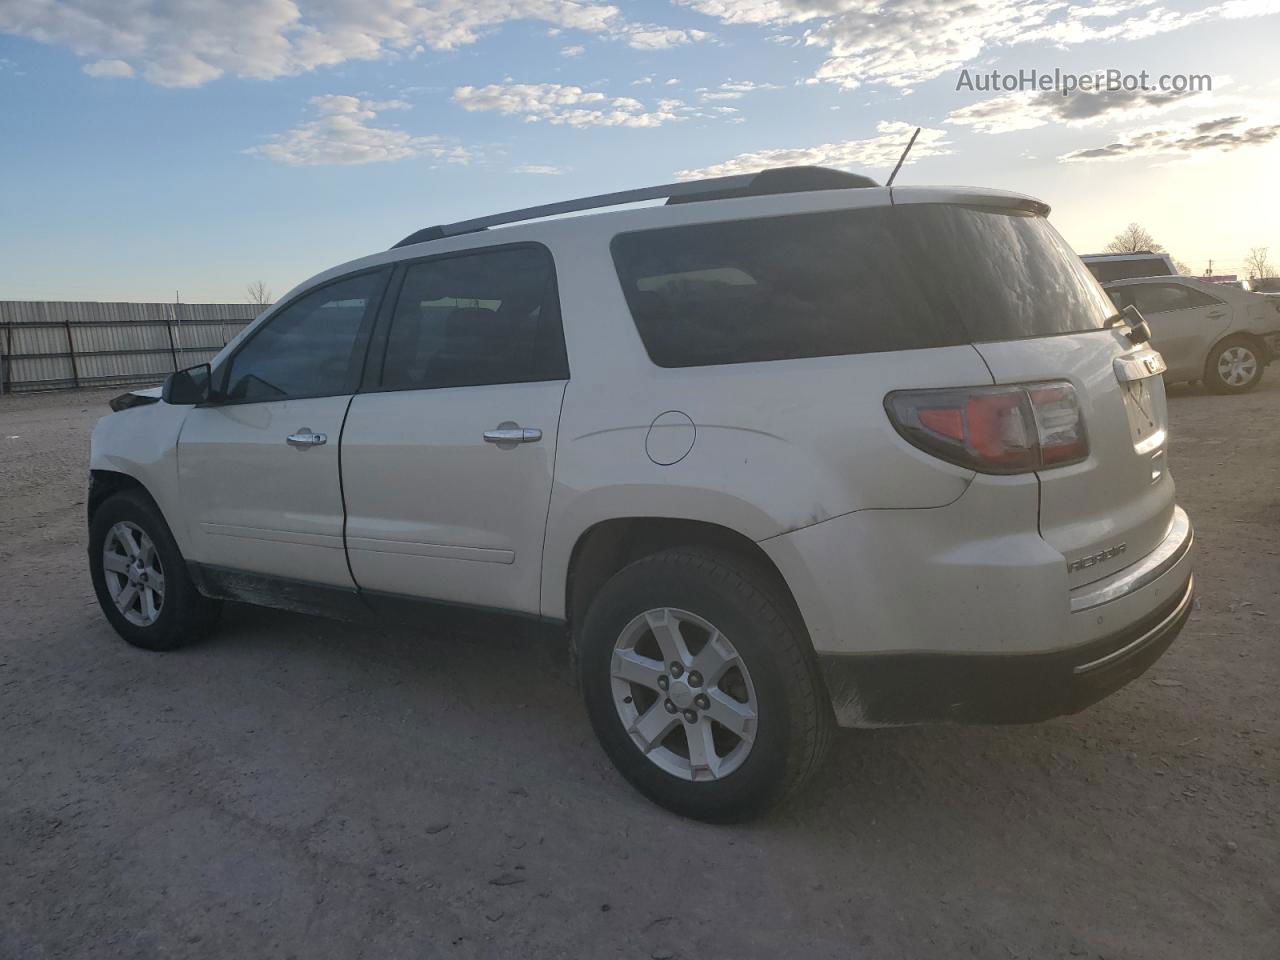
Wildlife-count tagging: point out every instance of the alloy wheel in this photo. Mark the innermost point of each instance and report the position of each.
(684, 695)
(133, 573)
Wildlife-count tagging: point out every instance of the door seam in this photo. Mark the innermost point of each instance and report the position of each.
(342, 495)
(551, 492)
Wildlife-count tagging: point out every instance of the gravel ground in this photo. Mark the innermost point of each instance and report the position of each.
(300, 788)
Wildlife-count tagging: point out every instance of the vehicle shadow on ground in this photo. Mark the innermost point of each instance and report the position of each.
(510, 693)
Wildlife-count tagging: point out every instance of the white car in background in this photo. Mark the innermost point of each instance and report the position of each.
(1205, 331)
(792, 450)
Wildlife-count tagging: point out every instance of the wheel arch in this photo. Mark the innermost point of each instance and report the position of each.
(609, 545)
(1254, 340)
(104, 484)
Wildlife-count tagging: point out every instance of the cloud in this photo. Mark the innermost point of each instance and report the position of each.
(108, 68)
(544, 169)
(904, 42)
(648, 37)
(186, 44)
(859, 155)
(342, 135)
(734, 90)
(1024, 111)
(1173, 142)
(560, 103)
(575, 51)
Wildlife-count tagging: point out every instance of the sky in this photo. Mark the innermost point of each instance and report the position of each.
(153, 149)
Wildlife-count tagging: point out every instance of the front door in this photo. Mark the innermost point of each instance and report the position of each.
(258, 467)
(447, 460)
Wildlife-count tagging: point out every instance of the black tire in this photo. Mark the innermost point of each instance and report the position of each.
(1213, 379)
(185, 615)
(795, 721)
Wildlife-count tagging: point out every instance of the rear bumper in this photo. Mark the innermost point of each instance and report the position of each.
(1000, 688)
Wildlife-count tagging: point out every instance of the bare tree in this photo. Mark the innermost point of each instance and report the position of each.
(1258, 265)
(1134, 238)
(259, 294)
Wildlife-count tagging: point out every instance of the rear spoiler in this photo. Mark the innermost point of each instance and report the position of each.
(970, 197)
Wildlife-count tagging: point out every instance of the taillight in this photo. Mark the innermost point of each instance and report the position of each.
(1013, 429)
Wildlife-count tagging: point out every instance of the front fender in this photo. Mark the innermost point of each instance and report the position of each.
(142, 443)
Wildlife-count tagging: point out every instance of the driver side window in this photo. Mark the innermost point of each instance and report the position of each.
(309, 348)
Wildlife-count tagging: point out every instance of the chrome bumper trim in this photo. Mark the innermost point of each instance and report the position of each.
(1157, 631)
(1175, 546)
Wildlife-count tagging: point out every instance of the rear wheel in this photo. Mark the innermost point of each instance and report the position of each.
(701, 685)
(140, 578)
(1234, 366)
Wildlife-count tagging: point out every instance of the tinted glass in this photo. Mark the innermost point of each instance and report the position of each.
(1108, 270)
(1198, 298)
(308, 349)
(848, 282)
(1160, 297)
(1121, 296)
(489, 317)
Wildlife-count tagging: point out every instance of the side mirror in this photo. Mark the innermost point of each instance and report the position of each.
(188, 386)
(1139, 332)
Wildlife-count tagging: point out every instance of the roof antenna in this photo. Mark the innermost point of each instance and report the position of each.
(910, 144)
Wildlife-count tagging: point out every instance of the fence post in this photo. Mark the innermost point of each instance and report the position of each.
(71, 348)
(170, 319)
(6, 369)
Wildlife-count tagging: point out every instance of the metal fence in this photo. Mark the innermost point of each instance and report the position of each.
(53, 345)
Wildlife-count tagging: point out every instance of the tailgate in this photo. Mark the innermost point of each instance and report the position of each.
(1113, 508)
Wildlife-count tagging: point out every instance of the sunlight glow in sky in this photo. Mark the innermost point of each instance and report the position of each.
(150, 146)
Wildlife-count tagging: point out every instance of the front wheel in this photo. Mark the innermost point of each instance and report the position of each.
(1233, 366)
(702, 686)
(140, 577)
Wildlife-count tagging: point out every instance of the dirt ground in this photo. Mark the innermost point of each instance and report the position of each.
(300, 788)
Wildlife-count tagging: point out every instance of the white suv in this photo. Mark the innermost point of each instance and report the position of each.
(790, 451)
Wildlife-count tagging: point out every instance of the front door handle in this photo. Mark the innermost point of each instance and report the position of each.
(1218, 313)
(513, 434)
(305, 438)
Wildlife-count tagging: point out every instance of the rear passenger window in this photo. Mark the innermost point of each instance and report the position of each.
(850, 282)
(769, 289)
(1163, 297)
(478, 318)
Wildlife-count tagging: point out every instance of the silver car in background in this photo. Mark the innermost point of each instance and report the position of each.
(1206, 331)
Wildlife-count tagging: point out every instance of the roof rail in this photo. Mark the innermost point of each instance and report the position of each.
(775, 180)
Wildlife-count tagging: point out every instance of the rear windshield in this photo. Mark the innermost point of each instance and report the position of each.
(852, 281)
(1108, 270)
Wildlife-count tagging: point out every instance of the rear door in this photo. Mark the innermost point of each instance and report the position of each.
(258, 469)
(447, 460)
(1184, 323)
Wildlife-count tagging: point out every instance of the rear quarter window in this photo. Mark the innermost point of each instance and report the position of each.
(851, 282)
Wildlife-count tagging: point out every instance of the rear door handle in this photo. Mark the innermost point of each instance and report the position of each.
(306, 438)
(1218, 313)
(513, 435)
